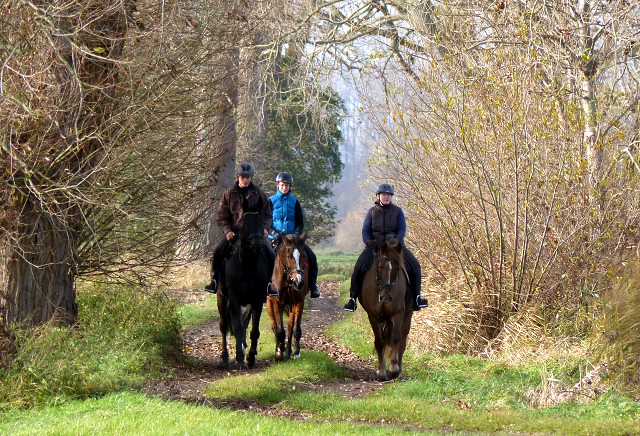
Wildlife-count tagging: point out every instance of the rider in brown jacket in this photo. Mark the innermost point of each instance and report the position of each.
(229, 220)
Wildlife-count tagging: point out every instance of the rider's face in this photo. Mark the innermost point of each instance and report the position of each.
(284, 187)
(385, 198)
(243, 182)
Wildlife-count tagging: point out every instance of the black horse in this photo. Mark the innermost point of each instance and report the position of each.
(246, 277)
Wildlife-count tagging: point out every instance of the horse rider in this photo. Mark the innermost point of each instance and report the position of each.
(230, 215)
(288, 219)
(384, 221)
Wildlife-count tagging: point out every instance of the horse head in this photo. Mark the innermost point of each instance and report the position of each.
(389, 263)
(252, 232)
(294, 258)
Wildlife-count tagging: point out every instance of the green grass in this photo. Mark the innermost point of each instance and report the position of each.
(122, 336)
(83, 381)
(278, 381)
(130, 413)
(457, 393)
(192, 315)
(335, 265)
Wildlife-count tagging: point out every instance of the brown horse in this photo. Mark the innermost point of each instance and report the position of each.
(290, 274)
(386, 298)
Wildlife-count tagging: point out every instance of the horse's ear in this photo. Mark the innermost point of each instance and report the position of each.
(399, 247)
(303, 237)
(287, 238)
(245, 204)
(260, 203)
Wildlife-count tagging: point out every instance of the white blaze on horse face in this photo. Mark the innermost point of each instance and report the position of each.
(296, 256)
(390, 268)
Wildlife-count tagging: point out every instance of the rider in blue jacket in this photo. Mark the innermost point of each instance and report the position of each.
(288, 219)
(384, 221)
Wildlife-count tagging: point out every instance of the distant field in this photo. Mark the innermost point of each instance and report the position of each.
(335, 264)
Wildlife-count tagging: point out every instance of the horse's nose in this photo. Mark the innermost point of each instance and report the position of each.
(256, 238)
(384, 298)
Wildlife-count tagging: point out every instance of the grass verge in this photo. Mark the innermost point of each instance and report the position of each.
(121, 337)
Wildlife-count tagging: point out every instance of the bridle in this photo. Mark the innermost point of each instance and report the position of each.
(382, 285)
(295, 276)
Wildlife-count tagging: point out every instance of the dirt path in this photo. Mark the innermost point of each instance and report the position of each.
(203, 366)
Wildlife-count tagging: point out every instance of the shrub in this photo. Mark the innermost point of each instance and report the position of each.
(120, 337)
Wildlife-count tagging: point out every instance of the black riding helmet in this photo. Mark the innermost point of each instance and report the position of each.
(284, 177)
(384, 188)
(245, 169)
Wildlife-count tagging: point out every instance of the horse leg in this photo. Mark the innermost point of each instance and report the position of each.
(297, 327)
(290, 324)
(406, 327)
(379, 345)
(256, 312)
(274, 309)
(239, 333)
(224, 327)
(394, 340)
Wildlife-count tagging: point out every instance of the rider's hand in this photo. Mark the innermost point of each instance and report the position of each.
(266, 233)
(230, 236)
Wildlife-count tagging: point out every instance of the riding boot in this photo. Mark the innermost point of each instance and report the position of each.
(213, 286)
(315, 291)
(351, 305)
(313, 272)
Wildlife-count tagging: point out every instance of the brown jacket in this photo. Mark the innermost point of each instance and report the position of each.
(230, 210)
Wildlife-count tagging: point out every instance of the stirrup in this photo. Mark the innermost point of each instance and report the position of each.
(351, 305)
(421, 301)
(212, 287)
(272, 290)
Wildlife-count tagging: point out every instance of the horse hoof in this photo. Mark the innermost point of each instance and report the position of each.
(382, 376)
(243, 365)
(279, 356)
(394, 375)
(394, 371)
(251, 361)
(296, 355)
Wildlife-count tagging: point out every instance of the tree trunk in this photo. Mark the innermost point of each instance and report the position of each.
(40, 273)
(38, 263)
(225, 131)
(251, 119)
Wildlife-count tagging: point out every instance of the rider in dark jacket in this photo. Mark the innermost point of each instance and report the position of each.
(288, 219)
(384, 221)
(229, 220)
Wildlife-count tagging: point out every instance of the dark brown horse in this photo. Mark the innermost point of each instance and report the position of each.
(386, 298)
(244, 286)
(291, 275)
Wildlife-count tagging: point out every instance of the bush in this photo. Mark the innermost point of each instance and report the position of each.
(618, 338)
(121, 337)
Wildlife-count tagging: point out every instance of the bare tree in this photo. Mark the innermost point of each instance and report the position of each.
(115, 132)
(504, 123)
